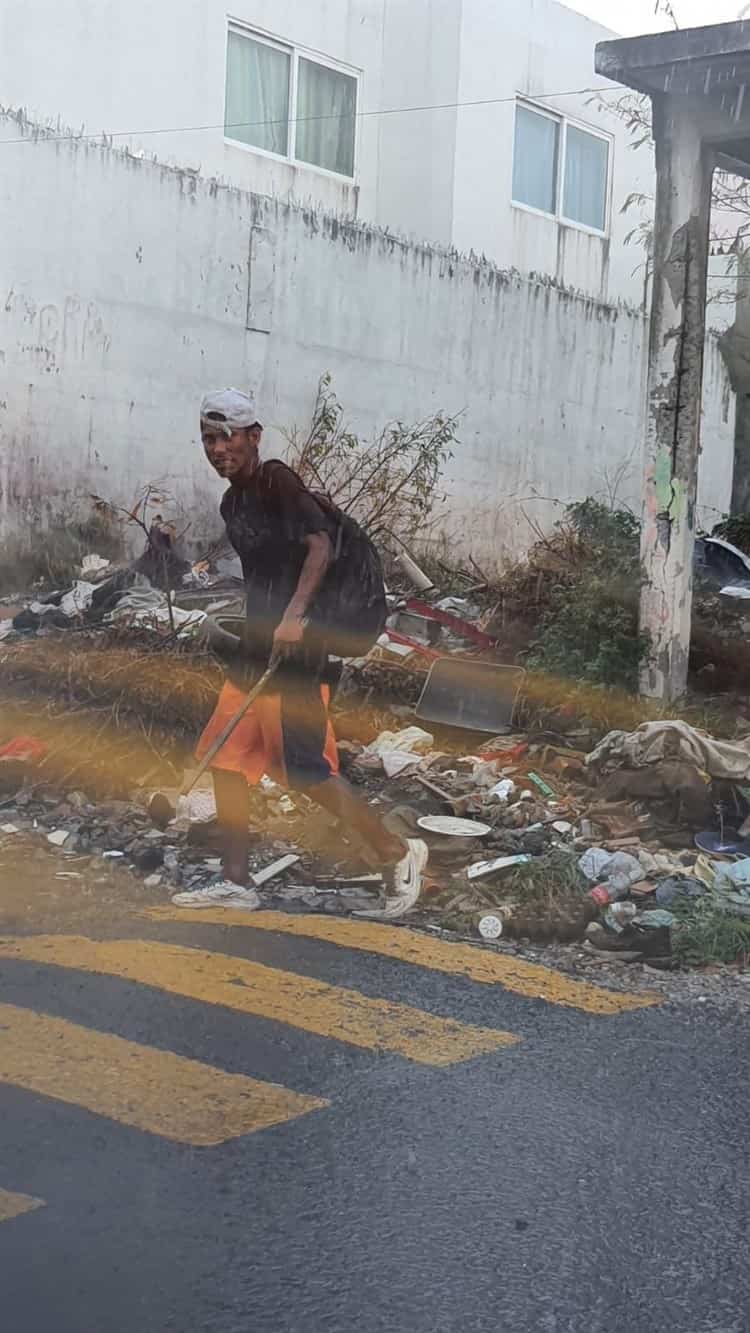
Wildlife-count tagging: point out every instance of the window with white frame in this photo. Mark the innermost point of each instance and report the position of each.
(561, 168)
(281, 101)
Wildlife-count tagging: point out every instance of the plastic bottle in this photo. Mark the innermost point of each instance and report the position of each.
(620, 915)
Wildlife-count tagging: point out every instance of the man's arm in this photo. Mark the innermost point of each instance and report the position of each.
(317, 561)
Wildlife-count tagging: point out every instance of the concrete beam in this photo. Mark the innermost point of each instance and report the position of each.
(684, 165)
(630, 58)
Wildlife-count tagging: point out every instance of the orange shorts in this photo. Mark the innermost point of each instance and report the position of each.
(287, 736)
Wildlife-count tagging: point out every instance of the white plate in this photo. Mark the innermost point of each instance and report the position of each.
(454, 828)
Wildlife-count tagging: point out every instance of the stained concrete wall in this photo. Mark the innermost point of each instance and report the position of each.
(126, 288)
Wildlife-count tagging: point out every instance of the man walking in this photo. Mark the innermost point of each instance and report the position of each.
(287, 544)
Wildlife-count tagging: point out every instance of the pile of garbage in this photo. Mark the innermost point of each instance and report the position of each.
(634, 844)
(159, 592)
(625, 849)
(618, 844)
(300, 860)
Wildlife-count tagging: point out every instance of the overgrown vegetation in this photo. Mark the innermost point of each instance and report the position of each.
(391, 483)
(55, 557)
(708, 933)
(735, 529)
(588, 629)
(544, 900)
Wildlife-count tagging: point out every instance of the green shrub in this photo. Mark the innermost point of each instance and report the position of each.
(735, 529)
(708, 933)
(589, 630)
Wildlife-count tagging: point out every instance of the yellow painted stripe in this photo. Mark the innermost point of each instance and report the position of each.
(408, 946)
(153, 1090)
(251, 988)
(15, 1205)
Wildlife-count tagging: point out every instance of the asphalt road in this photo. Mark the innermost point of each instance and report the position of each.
(583, 1171)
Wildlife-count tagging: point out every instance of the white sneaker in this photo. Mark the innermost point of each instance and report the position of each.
(223, 894)
(407, 883)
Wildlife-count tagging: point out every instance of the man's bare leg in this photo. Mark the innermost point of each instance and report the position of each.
(337, 796)
(405, 860)
(233, 815)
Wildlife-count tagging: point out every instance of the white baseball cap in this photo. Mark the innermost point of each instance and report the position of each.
(230, 409)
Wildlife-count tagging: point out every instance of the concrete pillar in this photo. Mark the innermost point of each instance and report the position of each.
(740, 503)
(738, 365)
(735, 349)
(675, 378)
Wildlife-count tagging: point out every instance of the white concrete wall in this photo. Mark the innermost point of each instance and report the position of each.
(124, 294)
(441, 175)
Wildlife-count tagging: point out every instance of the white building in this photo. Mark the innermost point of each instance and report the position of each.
(130, 285)
(466, 123)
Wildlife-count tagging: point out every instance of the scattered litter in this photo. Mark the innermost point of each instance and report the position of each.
(620, 915)
(458, 606)
(502, 791)
(653, 741)
(93, 564)
(390, 645)
(736, 875)
(484, 773)
(615, 871)
(671, 890)
(412, 740)
(656, 919)
(398, 761)
(277, 868)
(414, 573)
(78, 600)
(198, 808)
(477, 696)
(148, 607)
(593, 862)
(600, 895)
(726, 843)
(579, 834)
(643, 889)
(23, 748)
(482, 868)
(454, 828)
(705, 871)
(490, 927)
(58, 837)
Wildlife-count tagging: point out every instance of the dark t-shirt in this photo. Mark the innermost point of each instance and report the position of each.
(267, 523)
